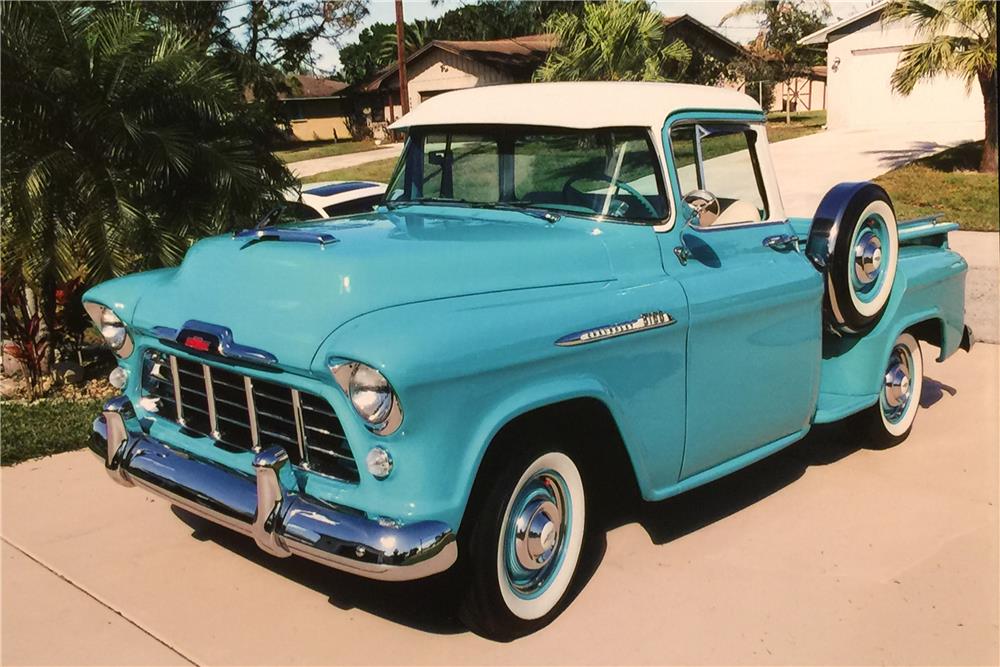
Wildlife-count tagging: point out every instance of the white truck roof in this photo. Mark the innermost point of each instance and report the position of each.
(577, 105)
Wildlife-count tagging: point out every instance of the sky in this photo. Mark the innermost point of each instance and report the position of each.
(709, 12)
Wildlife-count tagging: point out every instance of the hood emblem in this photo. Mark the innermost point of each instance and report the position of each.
(213, 339)
(644, 322)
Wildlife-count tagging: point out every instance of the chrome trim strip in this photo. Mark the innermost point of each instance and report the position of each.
(252, 414)
(277, 234)
(644, 322)
(280, 519)
(227, 346)
(213, 420)
(300, 434)
(175, 380)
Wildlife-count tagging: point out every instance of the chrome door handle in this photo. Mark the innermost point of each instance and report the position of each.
(782, 242)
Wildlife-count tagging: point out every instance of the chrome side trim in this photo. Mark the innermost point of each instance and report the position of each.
(280, 519)
(644, 322)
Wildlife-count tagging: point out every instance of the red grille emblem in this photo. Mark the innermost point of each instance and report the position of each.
(197, 343)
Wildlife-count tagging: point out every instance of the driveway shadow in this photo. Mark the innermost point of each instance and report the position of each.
(890, 159)
(430, 604)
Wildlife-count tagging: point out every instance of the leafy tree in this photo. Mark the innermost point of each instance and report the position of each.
(363, 58)
(123, 140)
(961, 39)
(491, 19)
(617, 40)
(776, 55)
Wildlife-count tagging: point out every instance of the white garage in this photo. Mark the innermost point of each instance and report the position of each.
(861, 56)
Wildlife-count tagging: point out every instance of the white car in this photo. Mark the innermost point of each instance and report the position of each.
(330, 199)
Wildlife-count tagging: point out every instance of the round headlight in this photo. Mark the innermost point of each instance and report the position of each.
(370, 394)
(113, 329)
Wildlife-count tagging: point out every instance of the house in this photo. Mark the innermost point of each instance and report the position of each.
(803, 93)
(862, 54)
(444, 65)
(318, 109)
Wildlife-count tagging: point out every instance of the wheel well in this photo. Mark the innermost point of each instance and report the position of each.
(928, 331)
(587, 426)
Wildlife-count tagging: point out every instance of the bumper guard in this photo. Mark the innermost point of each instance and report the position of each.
(280, 520)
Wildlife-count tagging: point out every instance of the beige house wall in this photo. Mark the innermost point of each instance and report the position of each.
(316, 129)
(859, 92)
(439, 71)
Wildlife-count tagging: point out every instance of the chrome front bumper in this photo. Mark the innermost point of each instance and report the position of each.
(281, 521)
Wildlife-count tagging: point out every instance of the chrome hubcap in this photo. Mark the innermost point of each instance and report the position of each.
(867, 257)
(536, 533)
(896, 389)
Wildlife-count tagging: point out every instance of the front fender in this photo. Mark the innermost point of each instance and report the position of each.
(466, 367)
(122, 295)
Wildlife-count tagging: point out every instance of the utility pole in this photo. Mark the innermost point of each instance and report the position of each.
(404, 96)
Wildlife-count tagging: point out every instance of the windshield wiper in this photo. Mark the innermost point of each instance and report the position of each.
(525, 207)
(448, 201)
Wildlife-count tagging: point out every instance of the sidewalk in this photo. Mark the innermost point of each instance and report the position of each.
(321, 164)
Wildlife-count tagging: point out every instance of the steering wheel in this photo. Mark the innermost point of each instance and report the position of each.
(702, 200)
(646, 204)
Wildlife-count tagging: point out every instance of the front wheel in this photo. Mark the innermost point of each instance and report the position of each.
(523, 542)
(889, 421)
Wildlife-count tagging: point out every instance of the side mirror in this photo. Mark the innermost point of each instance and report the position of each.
(436, 158)
(700, 202)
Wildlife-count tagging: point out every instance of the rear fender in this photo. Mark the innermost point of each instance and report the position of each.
(929, 288)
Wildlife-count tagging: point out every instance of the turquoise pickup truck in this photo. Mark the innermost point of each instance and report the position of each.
(570, 292)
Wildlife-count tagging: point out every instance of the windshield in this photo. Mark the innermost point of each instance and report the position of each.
(604, 172)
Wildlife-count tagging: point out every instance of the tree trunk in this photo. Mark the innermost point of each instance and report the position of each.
(988, 83)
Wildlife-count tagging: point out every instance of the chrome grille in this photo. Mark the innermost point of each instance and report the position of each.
(243, 414)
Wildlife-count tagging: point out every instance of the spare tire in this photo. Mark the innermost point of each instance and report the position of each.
(854, 241)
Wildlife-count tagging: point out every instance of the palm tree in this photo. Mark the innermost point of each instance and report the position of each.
(617, 40)
(961, 39)
(122, 142)
(416, 35)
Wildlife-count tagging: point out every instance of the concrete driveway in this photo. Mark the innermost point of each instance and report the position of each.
(808, 167)
(826, 553)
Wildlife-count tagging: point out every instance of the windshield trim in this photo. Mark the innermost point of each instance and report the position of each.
(500, 130)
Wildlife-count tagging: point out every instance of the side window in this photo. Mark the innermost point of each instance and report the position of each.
(730, 169)
(683, 146)
(461, 167)
(723, 160)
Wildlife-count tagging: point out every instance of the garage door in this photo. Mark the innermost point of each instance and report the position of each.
(872, 102)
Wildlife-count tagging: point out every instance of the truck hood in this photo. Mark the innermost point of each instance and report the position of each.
(287, 296)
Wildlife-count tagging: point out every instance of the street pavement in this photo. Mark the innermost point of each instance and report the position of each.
(826, 553)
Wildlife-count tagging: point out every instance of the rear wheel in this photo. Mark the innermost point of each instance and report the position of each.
(889, 421)
(522, 542)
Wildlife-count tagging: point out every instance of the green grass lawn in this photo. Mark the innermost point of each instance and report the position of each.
(803, 123)
(315, 149)
(946, 183)
(45, 427)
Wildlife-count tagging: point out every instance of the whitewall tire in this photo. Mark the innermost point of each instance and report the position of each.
(890, 420)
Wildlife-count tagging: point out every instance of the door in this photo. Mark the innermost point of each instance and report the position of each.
(754, 300)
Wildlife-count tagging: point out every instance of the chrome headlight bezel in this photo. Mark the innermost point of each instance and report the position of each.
(113, 330)
(361, 385)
